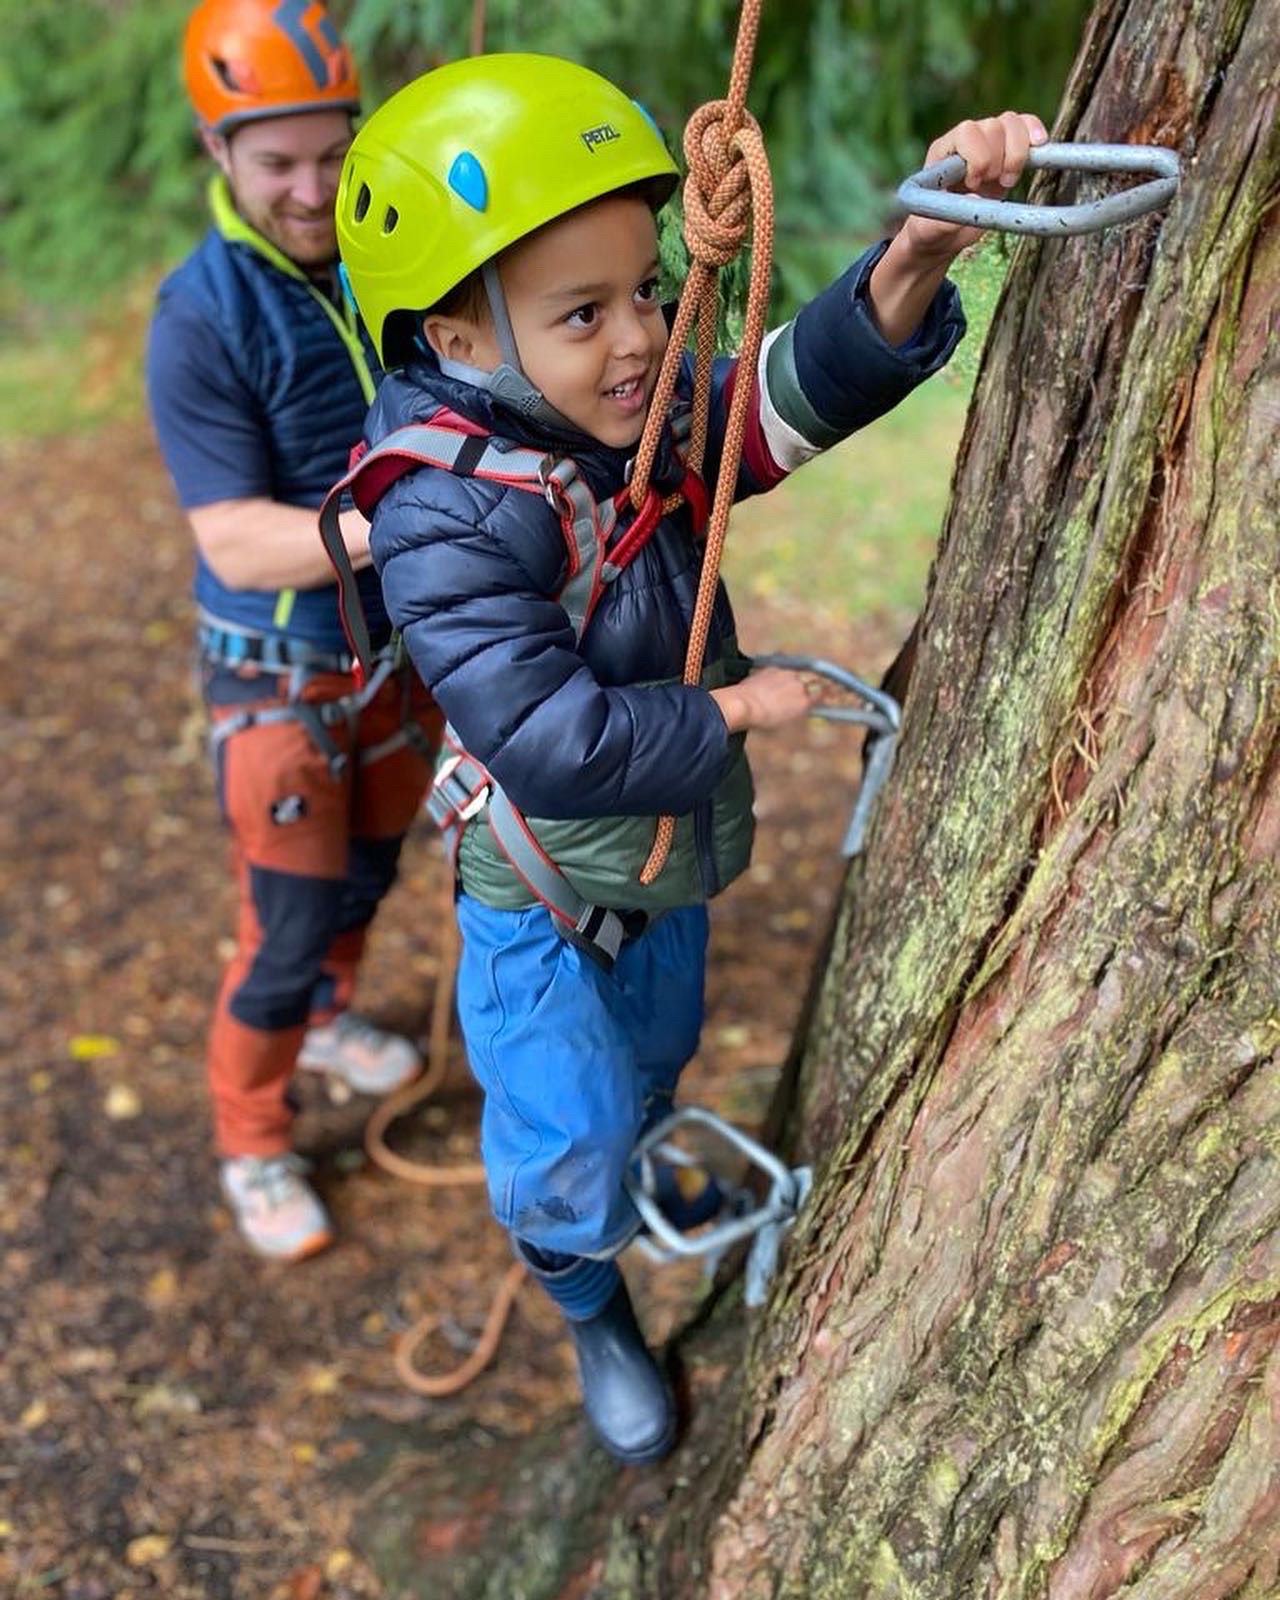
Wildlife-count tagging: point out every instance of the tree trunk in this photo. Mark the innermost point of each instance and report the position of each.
(1025, 1337)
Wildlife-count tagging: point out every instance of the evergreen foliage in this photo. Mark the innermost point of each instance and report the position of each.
(100, 171)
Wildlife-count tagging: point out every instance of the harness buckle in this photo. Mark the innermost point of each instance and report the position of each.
(471, 805)
(552, 475)
(475, 805)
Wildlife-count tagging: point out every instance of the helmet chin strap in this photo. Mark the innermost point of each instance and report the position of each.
(508, 382)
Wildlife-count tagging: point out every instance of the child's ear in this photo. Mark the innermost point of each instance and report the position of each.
(457, 339)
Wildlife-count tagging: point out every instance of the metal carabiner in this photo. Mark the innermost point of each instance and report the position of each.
(764, 1224)
(927, 193)
(884, 717)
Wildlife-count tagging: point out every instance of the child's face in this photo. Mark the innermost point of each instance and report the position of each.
(582, 294)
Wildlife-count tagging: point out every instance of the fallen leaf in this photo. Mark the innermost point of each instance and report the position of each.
(122, 1103)
(161, 1400)
(323, 1380)
(305, 1583)
(151, 1547)
(89, 1358)
(338, 1562)
(40, 1082)
(162, 1288)
(305, 1454)
(36, 1415)
(93, 1047)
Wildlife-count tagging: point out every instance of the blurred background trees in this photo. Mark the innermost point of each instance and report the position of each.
(100, 172)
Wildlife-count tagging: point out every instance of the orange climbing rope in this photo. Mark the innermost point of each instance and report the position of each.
(727, 189)
(438, 1177)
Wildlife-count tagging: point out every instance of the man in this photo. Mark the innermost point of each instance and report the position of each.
(259, 378)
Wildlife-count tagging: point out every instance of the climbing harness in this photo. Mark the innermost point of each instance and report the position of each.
(763, 1223)
(226, 645)
(927, 193)
(597, 550)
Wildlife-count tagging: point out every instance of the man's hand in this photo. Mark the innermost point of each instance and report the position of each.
(909, 273)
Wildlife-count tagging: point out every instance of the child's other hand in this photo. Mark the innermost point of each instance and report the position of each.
(767, 699)
(995, 151)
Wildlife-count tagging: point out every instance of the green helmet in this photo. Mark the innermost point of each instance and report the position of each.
(469, 158)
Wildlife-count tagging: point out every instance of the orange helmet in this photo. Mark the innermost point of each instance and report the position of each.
(249, 59)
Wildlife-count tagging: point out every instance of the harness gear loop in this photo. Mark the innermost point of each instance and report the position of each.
(764, 1224)
(728, 186)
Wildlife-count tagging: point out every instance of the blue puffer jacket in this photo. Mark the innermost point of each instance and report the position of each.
(603, 729)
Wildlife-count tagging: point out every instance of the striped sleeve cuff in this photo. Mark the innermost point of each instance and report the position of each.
(830, 371)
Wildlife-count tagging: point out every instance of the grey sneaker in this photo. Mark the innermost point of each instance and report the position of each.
(278, 1213)
(366, 1058)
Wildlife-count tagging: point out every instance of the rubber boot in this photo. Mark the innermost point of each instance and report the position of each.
(624, 1393)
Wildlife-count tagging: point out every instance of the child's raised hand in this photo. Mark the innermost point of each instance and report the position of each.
(995, 152)
(767, 699)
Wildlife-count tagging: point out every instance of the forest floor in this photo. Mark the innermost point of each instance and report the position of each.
(179, 1419)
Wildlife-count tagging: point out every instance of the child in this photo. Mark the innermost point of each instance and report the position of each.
(496, 223)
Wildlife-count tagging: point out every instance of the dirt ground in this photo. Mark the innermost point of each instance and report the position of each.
(177, 1418)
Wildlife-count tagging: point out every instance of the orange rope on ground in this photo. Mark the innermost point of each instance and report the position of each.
(438, 1177)
(728, 186)
(404, 1100)
(451, 1382)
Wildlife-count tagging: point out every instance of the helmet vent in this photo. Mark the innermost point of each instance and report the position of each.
(225, 75)
(390, 219)
(362, 203)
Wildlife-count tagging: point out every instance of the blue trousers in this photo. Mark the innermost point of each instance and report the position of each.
(575, 1064)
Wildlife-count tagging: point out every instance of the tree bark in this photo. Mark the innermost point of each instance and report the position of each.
(1026, 1336)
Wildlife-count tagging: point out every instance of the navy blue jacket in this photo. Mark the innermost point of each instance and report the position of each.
(470, 571)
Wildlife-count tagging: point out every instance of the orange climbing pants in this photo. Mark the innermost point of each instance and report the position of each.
(315, 843)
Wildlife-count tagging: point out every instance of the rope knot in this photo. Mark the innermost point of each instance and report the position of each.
(717, 195)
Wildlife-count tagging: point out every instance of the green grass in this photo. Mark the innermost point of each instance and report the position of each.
(60, 373)
(852, 534)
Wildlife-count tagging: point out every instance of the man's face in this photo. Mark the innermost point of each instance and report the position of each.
(582, 294)
(283, 174)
